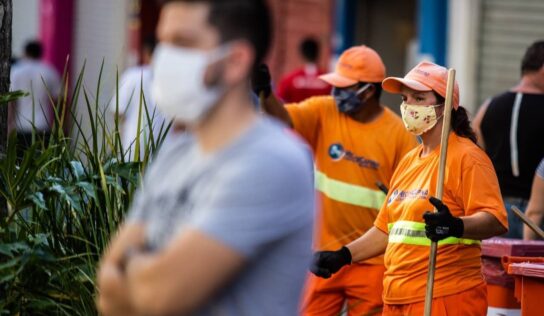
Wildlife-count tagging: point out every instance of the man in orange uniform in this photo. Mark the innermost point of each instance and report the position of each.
(356, 142)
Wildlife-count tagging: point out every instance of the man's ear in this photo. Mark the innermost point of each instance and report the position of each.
(238, 65)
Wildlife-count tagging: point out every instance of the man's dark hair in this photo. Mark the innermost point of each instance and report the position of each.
(149, 42)
(309, 49)
(240, 19)
(533, 59)
(34, 50)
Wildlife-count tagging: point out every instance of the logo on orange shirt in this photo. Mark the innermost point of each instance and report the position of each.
(414, 194)
(337, 153)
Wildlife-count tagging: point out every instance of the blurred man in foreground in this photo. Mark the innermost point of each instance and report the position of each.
(222, 223)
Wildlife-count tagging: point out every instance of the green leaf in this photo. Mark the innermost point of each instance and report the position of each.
(10, 263)
(38, 200)
(10, 249)
(77, 169)
(89, 189)
(12, 96)
(67, 195)
(58, 188)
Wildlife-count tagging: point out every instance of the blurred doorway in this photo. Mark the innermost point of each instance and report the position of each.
(389, 27)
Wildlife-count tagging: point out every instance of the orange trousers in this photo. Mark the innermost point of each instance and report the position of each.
(358, 285)
(472, 302)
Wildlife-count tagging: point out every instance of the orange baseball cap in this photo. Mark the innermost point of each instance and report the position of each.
(357, 64)
(426, 76)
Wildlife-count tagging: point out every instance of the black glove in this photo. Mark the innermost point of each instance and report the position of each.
(442, 224)
(260, 80)
(328, 262)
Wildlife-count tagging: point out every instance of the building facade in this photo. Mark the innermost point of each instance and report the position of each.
(482, 39)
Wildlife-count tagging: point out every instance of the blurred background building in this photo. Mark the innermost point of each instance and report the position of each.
(483, 39)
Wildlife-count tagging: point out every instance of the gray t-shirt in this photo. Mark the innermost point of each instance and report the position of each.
(256, 196)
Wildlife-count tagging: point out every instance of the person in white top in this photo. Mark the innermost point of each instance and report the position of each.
(35, 111)
(135, 89)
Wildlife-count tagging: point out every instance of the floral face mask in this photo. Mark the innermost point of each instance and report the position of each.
(418, 119)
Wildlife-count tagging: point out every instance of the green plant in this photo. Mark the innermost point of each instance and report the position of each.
(11, 96)
(66, 196)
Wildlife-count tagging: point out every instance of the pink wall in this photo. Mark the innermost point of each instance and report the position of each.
(293, 21)
(56, 31)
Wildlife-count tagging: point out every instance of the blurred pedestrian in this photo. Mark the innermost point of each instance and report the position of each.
(33, 114)
(509, 128)
(357, 142)
(535, 207)
(222, 223)
(304, 82)
(136, 101)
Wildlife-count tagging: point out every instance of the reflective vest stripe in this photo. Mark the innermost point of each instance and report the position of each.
(348, 193)
(413, 233)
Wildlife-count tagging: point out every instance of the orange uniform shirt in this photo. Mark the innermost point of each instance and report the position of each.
(349, 158)
(470, 186)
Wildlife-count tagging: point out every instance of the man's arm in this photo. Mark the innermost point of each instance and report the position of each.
(535, 209)
(477, 123)
(274, 107)
(130, 236)
(262, 86)
(113, 297)
(183, 276)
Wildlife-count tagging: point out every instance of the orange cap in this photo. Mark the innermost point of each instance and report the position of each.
(357, 64)
(426, 76)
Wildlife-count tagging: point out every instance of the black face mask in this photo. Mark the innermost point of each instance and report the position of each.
(347, 101)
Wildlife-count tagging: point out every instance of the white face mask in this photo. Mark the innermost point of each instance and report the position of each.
(418, 119)
(178, 85)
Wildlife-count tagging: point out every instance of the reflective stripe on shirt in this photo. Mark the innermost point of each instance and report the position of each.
(413, 233)
(348, 193)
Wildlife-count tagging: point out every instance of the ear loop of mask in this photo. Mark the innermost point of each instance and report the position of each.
(362, 89)
(442, 115)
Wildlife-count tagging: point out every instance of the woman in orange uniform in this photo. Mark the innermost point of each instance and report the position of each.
(471, 209)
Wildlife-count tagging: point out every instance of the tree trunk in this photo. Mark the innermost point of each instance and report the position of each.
(5, 66)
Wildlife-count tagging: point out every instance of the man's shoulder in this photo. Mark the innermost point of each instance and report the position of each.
(502, 98)
(25, 70)
(270, 151)
(324, 102)
(42, 67)
(277, 142)
(180, 147)
(19, 69)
